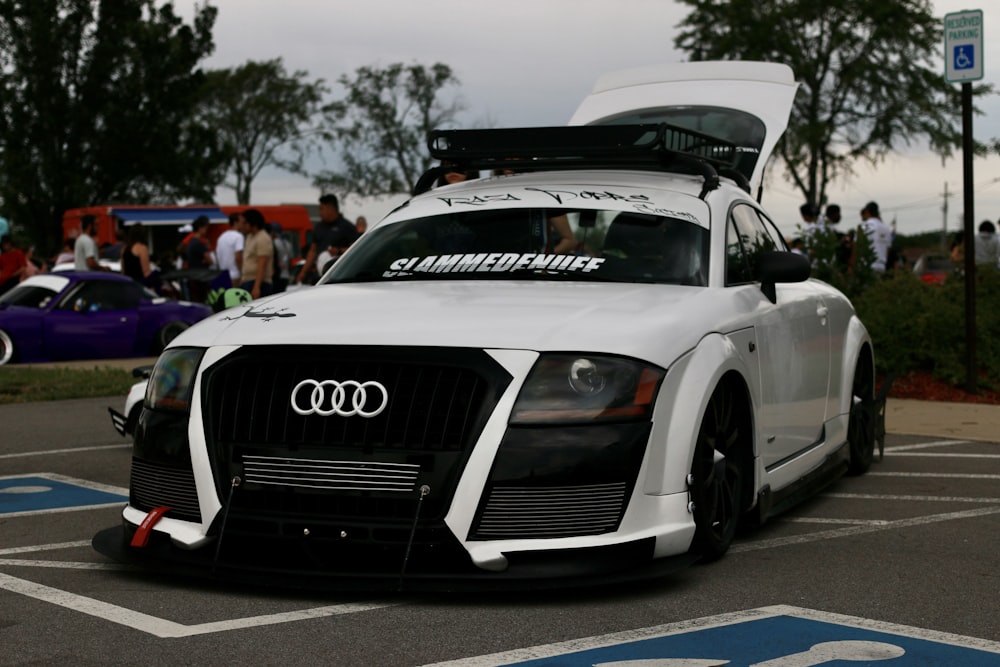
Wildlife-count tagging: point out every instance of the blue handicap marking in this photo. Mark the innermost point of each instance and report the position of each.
(40, 493)
(964, 57)
(776, 641)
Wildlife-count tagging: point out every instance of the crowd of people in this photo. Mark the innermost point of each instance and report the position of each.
(881, 237)
(252, 253)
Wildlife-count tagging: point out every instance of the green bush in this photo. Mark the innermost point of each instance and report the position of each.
(915, 326)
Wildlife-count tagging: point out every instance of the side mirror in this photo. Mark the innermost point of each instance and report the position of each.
(781, 267)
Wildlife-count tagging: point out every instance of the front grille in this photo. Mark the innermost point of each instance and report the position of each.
(551, 512)
(345, 470)
(432, 405)
(330, 475)
(155, 485)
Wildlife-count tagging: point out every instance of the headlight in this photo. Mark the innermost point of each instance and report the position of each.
(172, 382)
(578, 387)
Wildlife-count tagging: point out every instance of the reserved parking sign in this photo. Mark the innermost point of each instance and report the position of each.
(963, 46)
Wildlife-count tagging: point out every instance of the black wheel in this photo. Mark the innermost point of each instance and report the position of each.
(6, 347)
(716, 479)
(861, 423)
(166, 334)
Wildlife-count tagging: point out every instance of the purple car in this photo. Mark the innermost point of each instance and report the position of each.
(88, 315)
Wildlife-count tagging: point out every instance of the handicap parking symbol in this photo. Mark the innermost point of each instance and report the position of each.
(768, 637)
(47, 492)
(964, 57)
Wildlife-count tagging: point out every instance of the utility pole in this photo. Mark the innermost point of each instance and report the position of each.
(944, 217)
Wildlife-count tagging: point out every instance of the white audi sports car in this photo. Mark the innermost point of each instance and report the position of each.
(457, 404)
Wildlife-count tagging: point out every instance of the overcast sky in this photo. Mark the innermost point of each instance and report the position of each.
(530, 62)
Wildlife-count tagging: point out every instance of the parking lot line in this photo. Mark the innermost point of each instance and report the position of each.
(926, 445)
(70, 450)
(863, 529)
(942, 475)
(163, 628)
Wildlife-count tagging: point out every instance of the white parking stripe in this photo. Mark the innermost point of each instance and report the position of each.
(58, 510)
(849, 522)
(44, 547)
(161, 627)
(65, 564)
(927, 445)
(943, 455)
(943, 475)
(936, 499)
(861, 530)
(71, 450)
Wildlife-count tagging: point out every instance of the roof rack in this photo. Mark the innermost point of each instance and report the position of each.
(661, 147)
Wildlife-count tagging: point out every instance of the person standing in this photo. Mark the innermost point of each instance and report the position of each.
(12, 263)
(229, 249)
(135, 260)
(258, 255)
(199, 256)
(85, 247)
(334, 234)
(878, 233)
(282, 257)
(987, 245)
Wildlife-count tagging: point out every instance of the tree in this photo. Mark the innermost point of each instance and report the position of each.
(264, 116)
(870, 75)
(96, 105)
(382, 125)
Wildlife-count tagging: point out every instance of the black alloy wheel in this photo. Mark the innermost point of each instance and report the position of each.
(716, 479)
(861, 423)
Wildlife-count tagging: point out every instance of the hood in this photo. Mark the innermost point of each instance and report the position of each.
(747, 103)
(624, 319)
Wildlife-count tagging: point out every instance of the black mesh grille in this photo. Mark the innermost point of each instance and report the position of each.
(438, 402)
(548, 512)
(154, 485)
(431, 406)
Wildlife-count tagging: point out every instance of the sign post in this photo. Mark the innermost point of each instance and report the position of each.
(963, 57)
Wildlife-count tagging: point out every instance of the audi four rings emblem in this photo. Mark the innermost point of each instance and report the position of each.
(319, 402)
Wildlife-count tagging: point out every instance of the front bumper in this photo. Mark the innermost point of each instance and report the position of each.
(304, 567)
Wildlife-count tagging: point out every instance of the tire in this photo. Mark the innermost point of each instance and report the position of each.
(6, 348)
(166, 334)
(861, 422)
(716, 480)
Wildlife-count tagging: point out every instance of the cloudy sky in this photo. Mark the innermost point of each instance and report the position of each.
(530, 62)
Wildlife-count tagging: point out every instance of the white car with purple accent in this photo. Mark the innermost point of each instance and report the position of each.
(457, 405)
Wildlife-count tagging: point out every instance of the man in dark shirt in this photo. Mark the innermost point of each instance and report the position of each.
(334, 234)
(199, 256)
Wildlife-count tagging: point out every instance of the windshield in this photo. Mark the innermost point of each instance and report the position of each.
(499, 244)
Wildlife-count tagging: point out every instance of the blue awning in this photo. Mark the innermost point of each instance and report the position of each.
(179, 215)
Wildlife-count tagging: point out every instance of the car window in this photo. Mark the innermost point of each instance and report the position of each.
(746, 237)
(772, 230)
(504, 244)
(103, 295)
(28, 296)
(741, 128)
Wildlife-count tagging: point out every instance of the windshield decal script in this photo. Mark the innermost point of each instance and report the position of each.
(497, 262)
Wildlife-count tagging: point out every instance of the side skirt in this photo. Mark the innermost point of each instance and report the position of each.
(771, 503)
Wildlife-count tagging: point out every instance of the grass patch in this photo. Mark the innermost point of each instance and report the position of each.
(26, 385)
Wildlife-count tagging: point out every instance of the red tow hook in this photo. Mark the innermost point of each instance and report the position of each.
(145, 529)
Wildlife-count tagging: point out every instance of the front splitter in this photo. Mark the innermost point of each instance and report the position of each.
(527, 571)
